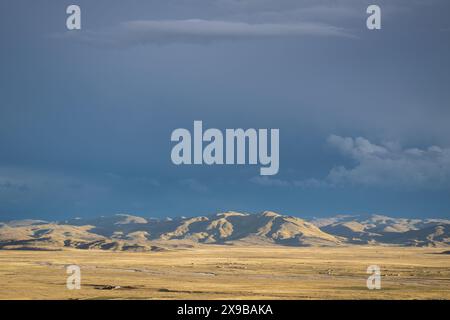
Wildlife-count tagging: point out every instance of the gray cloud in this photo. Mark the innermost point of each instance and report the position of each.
(10, 185)
(194, 185)
(310, 183)
(274, 182)
(143, 32)
(293, 10)
(17, 179)
(270, 182)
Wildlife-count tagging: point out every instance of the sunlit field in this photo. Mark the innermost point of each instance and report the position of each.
(228, 272)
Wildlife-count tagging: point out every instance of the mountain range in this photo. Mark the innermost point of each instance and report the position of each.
(124, 232)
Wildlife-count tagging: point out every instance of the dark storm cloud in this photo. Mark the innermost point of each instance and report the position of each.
(85, 130)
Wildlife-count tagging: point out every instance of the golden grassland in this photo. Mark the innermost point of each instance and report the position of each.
(228, 272)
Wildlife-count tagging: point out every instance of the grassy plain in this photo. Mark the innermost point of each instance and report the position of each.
(228, 272)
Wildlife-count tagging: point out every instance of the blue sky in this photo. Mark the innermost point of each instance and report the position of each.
(86, 116)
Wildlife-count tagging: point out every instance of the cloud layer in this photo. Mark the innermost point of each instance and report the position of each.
(390, 164)
(379, 165)
(202, 31)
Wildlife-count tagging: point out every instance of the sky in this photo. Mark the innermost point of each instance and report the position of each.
(86, 115)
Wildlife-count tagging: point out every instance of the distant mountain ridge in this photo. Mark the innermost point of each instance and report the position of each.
(124, 232)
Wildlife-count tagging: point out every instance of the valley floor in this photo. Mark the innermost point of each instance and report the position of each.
(228, 272)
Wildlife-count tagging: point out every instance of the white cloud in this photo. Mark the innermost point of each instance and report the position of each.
(390, 164)
(379, 165)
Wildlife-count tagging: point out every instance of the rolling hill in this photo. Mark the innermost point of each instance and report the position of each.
(378, 229)
(124, 232)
